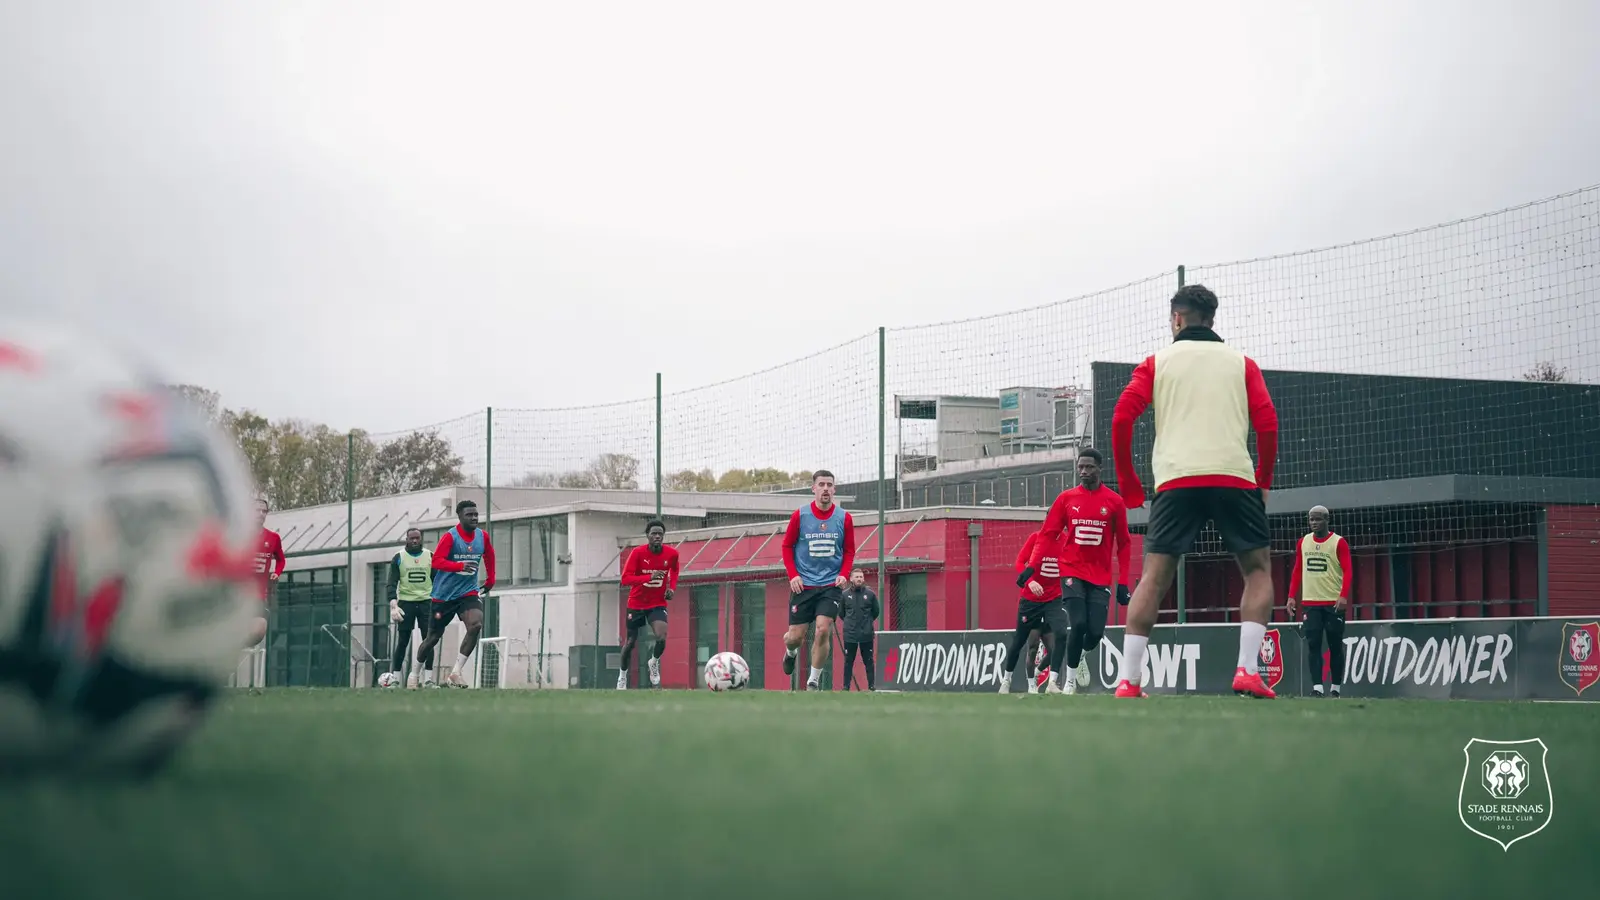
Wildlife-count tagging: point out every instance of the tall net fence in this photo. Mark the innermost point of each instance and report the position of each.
(1436, 388)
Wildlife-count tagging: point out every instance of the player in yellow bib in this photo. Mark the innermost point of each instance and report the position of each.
(1321, 583)
(410, 585)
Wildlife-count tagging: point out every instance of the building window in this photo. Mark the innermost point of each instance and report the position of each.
(548, 546)
(752, 601)
(308, 630)
(500, 539)
(521, 551)
(909, 601)
(703, 612)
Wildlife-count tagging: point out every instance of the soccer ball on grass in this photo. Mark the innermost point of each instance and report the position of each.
(126, 558)
(727, 672)
(389, 680)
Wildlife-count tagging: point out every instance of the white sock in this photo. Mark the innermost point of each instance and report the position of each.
(1317, 689)
(1251, 635)
(791, 652)
(461, 662)
(1133, 657)
(816, 674)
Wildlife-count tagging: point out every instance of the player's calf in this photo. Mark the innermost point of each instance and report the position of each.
(258, 632)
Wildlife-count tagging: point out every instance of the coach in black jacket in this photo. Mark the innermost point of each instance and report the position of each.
(858, 612)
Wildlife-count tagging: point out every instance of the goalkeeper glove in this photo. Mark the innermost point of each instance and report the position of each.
(1122, 595)
(1025, 577)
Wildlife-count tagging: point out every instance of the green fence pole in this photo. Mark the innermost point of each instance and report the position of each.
(350, 531)
(883, 524)
(658, 445)
(488, 468)
(599, 658)
(1180, 276)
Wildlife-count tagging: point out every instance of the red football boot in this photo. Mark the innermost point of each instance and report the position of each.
(1247, 684)
(1127, 688)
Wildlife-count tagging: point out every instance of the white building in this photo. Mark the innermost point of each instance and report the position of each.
(557, 569)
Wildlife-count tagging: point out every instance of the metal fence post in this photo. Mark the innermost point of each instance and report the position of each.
(883, 523)
(658, 445)
(349, 534)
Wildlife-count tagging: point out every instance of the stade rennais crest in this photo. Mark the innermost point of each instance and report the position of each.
(1505, 790)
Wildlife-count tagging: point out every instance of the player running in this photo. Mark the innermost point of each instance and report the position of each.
(651, 574)
(1039, 609)
(269, 568)
(1207, 396)
(1091, 522)
(1321, 583)
(818, 548)
(455, 587)
(410, 587)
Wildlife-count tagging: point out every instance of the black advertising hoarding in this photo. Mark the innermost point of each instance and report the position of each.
(1441, 659)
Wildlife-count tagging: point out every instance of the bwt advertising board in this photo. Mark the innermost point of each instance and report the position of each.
(1441, 659)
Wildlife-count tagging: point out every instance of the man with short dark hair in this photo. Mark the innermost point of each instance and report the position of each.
(455, 587)
(1320, 581)
(651, 576)
(858, 611)
(410, 589)
(818, 548)
(1207, 398)
(1088, 524)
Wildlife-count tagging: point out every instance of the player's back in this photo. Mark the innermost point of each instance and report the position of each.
(1202, 412)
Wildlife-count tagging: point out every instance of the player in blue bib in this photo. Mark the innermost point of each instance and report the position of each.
(456, 561)
(818, 549)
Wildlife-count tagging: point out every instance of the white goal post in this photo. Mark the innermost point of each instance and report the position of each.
(489, 663)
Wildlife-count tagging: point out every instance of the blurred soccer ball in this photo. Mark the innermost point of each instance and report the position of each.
(727, 672)
(389, 680)
(126, 531)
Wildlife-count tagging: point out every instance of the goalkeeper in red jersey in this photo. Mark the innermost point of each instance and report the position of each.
(651, 576)
(1087, 523)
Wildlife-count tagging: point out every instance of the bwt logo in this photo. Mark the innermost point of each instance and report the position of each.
(1160, 667)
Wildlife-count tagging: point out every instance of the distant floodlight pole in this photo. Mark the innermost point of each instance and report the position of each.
(658, 445)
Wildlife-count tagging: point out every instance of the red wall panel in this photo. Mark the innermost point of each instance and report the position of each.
(1573, 535)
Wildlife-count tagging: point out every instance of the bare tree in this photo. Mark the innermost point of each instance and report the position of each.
(1545, 370)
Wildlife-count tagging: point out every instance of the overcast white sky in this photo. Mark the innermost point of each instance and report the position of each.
(320, 208)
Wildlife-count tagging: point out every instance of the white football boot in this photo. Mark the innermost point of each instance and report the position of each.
(655, 672)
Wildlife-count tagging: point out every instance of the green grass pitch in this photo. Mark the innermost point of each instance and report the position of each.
(390, 794)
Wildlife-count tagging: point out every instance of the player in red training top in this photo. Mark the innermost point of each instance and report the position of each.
(269, 566)
(1208, 397)
(651, 575)
(1039, 609)
(1089, 521)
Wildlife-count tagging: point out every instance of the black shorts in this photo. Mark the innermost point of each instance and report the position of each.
(445, 610)
(1042, 615)
(806, 606)
(1076, 590)
(638, 618)
(416, 612)
(1178, 515)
